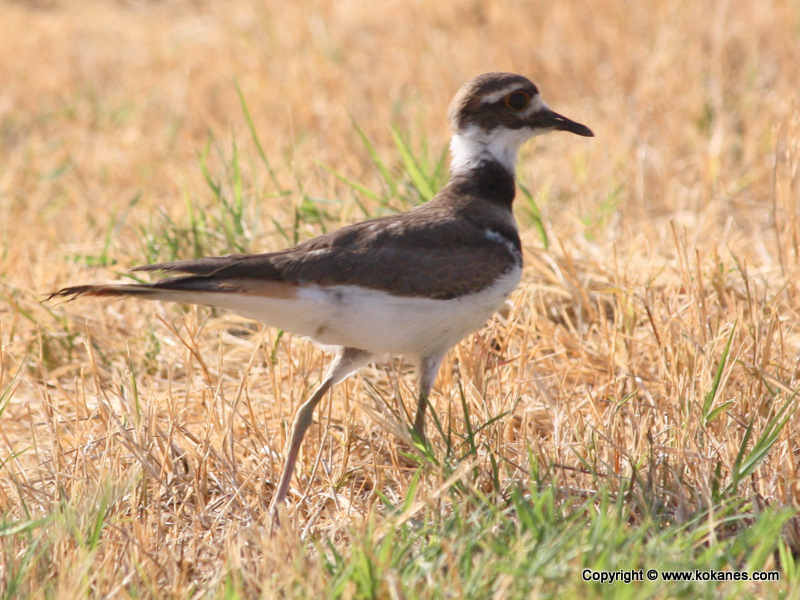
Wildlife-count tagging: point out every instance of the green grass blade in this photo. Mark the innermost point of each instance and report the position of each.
(254, 136)
(421, 183)
(386, 175)
(716, 387)
(746, 463)
(358, 187)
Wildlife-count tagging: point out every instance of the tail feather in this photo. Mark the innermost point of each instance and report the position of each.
(70, 293)
(196, 289)
(270, 302)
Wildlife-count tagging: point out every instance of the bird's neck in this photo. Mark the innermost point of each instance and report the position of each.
(472, 146)
(486, 180)
(483, 163)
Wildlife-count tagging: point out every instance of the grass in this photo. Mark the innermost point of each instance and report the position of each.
(633, 407)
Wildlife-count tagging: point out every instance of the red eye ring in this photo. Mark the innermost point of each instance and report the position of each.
(518, 100)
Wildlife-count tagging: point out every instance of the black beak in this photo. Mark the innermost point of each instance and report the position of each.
(549, 119)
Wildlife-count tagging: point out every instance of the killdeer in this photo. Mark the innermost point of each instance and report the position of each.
(411, 284)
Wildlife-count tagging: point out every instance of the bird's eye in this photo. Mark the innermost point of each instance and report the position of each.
(518, 100)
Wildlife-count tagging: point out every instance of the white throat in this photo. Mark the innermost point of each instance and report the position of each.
(473, 146)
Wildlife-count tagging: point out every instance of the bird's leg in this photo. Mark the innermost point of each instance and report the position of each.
(347, 361)
(302, 420)
(428, 368)
(419, 419)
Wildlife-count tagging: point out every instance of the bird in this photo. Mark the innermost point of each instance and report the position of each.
(411, 284)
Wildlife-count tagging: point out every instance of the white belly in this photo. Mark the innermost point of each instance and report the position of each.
(376, 321)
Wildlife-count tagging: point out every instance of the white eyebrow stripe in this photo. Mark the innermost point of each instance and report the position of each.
(535, 106)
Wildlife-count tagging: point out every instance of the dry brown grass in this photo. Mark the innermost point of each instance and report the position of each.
(674, 231)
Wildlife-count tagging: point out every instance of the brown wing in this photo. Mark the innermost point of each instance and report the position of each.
(408, 254)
